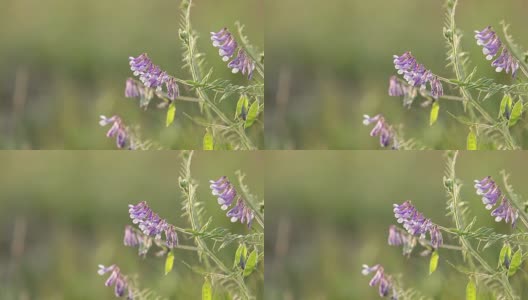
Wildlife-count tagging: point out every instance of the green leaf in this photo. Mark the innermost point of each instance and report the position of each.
(171, 112)
(505, 253)
(251, 263)
(169, 262)
(471, 290)
(434, 113)
(433, 263)
(242, 107)
(505, 105)
(252, 114)
(240, 255)
(516, 113)
(471, 140)
(207, 290)
(208, 143)
(515, 262)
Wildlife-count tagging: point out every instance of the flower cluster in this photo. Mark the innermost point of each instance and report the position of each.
(381, 129)
(226, 193)
(491, 45)
(117, 130)
(226, 44)
(117, 279)
(490, 192)
(380, 278)
(151, 76)
(416, 224)
(152, 225)
(417, 75)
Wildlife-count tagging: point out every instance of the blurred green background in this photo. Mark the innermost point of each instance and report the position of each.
(63, 213)
(335, 217)
(330, 63)
(64, 63)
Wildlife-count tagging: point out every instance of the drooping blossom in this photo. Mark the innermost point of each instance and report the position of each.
(491, 194)
(395, 236)
(381, 129)
(226, 193)
(152, 225)
(243, 64)
(490, 42)
(152, 76)
(116, 278)
(130, 239)
(506, 62)
(416, 224)
(489, 190)
(173, 90)
(505, 212)
(241, 212)
(395, 87)
(488, 39)
(398, 89)
(117, 130)
(416, 74)
(380, 279)
(225, 43)
(132, 90)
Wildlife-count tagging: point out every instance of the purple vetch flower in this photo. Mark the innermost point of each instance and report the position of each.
(491, 193)
(395, 87)
(505, 211)
(436, 87)
(226, 193)
(395, 236)
(224, 190)
(489, 190)
(416, 74)
(225, 42)
(130, 239)
(488, 39)
(152, 225)
(416, 224)
(381, 129)
(227, 46)
(243, 64)
(173, 90)
(491, 44)
(132, 90)
(398, 237)
(117, 130)
(117, 279)
(436, 237)
(241, 212)
(506, 62)
(383, 281)
(152, 76)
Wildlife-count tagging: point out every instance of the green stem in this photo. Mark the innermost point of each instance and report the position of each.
(197, 76)
(189, 192)
(455, 198)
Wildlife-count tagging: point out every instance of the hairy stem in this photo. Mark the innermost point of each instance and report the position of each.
(189, 192)
(197, 76)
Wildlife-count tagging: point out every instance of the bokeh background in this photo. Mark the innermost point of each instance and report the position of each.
(64, 63)
(335, 217)
(329, 63)
(63, 213)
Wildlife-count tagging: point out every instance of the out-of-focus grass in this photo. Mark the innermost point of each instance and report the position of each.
(63, 63)
(329, 63)
(71, 209)
(335, 217)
